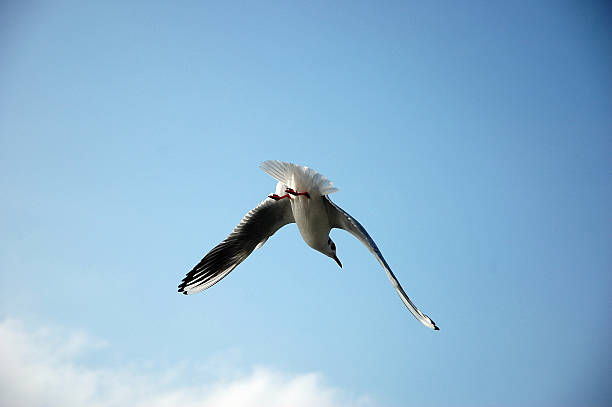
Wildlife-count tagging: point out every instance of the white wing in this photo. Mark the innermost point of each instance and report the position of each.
(340, 219)
(252, 232)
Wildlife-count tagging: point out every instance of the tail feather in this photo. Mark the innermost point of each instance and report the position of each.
(298, 177)
(277, 169)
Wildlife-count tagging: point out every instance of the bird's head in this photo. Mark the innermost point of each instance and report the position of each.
(331, 251)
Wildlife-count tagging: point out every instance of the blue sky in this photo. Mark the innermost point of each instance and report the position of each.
(473, 143)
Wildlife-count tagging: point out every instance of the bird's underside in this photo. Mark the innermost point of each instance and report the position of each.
(301, 195)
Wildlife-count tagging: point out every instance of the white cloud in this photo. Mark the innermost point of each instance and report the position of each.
(42, 368)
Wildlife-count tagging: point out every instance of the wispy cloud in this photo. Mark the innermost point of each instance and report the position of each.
(42, 368)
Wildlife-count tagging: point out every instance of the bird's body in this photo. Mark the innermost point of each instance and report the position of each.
(301, 196)
(312, 220)
(309, 212)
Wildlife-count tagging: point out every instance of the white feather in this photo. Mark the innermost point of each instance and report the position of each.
(300, 178)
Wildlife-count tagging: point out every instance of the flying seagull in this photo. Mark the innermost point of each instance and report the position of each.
(301, 196)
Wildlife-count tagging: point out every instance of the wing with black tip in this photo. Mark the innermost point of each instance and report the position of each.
(252, 232)
(342, 220)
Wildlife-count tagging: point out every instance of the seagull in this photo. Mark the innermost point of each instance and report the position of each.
(301, 196)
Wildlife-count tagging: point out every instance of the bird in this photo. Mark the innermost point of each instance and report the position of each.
(302, 197)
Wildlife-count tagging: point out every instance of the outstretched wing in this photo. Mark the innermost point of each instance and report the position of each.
(252, 232)
(340, 219)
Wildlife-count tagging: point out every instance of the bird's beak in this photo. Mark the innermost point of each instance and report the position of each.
(337, 261)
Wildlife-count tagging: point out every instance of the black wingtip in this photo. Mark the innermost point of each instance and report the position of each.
(436, 328)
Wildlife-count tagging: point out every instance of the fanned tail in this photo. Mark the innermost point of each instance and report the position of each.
(298, 177)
